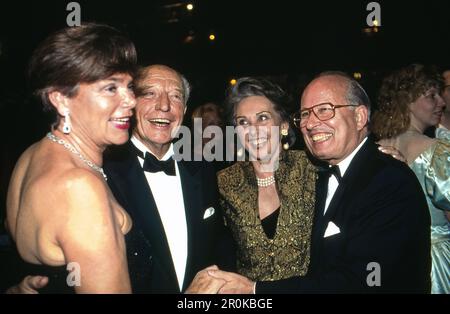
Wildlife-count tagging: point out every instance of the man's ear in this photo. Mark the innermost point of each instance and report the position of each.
(361, 116)
(59, 101)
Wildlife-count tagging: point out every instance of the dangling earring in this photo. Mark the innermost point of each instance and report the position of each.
(67, 126)
(284, 139)
(240, 152)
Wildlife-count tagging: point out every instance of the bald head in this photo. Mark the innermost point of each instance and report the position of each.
(352, 92)
(327, 84)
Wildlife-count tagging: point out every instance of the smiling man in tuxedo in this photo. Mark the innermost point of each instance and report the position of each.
(173, 204)
(371, 232)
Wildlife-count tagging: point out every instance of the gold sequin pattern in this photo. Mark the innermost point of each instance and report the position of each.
(288, 253)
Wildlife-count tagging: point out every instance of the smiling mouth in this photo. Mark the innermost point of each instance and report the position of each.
(160, 122)
(120, 120)
(121, 123)
(322, 137)
(258, 141)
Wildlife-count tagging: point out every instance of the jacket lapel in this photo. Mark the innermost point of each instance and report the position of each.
(190, 183)
(352, 182)
(142, 207)
(319, 219)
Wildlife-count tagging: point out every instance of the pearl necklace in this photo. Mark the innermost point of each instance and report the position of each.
(266, 181)
(72, 149)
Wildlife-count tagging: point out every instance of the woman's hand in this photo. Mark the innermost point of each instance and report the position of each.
(394, 152)
(29, 285)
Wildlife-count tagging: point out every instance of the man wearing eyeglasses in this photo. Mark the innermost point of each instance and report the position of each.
(371, 231)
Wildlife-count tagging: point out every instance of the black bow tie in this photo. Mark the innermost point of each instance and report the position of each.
(333, 170)
(152, 164)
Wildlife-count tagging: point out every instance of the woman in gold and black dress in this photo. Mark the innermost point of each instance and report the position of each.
(268, 199)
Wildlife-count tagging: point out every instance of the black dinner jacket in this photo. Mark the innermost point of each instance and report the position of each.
(383, 217)
(206, 237)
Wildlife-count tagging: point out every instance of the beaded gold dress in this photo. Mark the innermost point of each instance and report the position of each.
(287, 254)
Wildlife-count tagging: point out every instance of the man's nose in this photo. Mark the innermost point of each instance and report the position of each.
(163, 103)
(311, 121)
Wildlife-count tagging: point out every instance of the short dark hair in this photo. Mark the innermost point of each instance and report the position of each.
(80, 54)
(253, 86)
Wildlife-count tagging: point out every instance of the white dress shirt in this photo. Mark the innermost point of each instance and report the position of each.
(343, 166)
(168, 195)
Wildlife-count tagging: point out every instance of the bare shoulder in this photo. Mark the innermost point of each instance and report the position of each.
(86, 207)
(417, 145)
(63, 196)
(423, 140)
(81, 189)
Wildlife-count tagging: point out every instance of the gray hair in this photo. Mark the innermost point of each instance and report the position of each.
(186, 88)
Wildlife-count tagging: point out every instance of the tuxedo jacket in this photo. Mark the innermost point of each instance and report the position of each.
(149, 258)
(378, 237)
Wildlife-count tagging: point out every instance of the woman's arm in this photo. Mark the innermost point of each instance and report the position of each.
(91, 237)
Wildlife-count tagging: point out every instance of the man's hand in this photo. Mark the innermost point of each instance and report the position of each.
(235, 284)
(394, 152)
(29, 285)
(203, 283)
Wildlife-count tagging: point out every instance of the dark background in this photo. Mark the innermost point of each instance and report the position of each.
(289, 41)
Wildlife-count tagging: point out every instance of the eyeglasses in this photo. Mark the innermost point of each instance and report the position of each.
(324, 111)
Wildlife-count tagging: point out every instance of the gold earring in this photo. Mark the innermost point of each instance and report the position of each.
(284, 133)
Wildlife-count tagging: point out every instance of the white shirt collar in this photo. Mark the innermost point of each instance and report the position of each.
(139, 145)
(343, 165)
